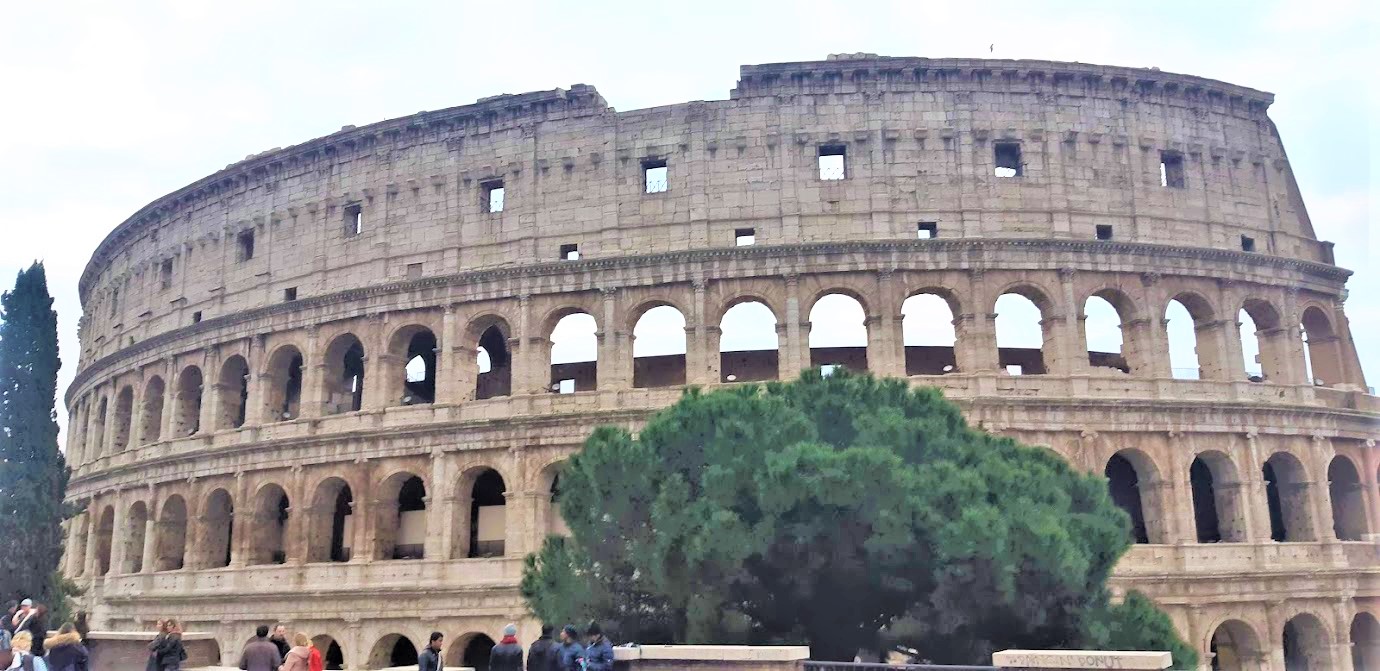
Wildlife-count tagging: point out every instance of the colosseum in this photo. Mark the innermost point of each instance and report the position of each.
(333, 384)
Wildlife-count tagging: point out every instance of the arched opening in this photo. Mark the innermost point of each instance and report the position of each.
(1132, 481)
(1235, 647)
(927, 332)
(219, 521)
(1322, 348)
(1185, 317)
(1286, 493)
(1262, 342)
(76, 551)
(1365, 642)
(187, 406)
(1104, 319)
(1305, 644)
(1217, 511)
(172, 535)
(838, 333)
(284, 384)
(659, 348)
(331, 529)
(124, 417)
(470, 650)
(574, 354)
(1348, 501)
(555, 523)
(234, 393)
(393, 650)
(495, 363)
(748, 343)
(135, 527)
(488, 523)
(96, 434)
(344, 383)
(1021, 333)
(402, 519)
(270, 525)
(151, 419)
(332, 657)
(419, 373)
(105, 533)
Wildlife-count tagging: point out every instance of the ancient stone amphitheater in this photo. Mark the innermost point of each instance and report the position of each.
(326, 386)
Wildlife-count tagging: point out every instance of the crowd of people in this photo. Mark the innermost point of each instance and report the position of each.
(26, 645)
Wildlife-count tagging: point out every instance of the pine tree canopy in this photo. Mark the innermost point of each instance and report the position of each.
(843, 512)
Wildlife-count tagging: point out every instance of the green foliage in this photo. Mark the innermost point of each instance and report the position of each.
(827, 511)
(33, 474)
(1136, 624)
(61, 600)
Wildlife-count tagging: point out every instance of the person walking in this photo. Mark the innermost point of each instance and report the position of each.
(171, 653)
(155, 644)
(430, 659)
(24, 658)
(570, 654)
(64, 650)
(507, 655)
(259, 653)
(541, 655)
(599, 654)
(314, 661)
(279, 639)
(299, 655)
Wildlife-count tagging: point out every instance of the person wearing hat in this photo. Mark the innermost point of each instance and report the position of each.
(569, 653)
(541, 655)
(599, 654)
(507, 655)
(31, 618)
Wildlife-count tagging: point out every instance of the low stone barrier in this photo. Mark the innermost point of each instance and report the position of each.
(1079, 660)
(711, 657)
(128, 650)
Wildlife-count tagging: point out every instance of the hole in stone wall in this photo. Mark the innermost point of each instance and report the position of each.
(1172, 170)
(833, 162)
(1007, 156)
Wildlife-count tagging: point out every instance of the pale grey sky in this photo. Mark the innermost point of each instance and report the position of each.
(106, 106)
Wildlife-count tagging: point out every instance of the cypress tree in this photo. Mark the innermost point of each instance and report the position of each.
(33, 474)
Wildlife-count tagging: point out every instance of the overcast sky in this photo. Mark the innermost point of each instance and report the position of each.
(106, 106)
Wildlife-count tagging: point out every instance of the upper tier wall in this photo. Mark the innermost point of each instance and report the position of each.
(919, 135)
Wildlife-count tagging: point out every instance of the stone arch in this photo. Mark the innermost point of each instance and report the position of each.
(1348, 500)
(548, 496)
(136, 525)
(391, 651)
(411, 372)
(1261, 332)
(1365, 642)
(749, 340)
(1134, 484)
(332, 655)
(1219, 512)
(1190, 327)
(487, 508)
(1305, 644)
(400, 522)
(1234, 645)
(658, 345)
(267, 540)
(838, 330)
(574, 337)
(187, 403)
(1107, 316)
(928, 331)
(151, 416)
(330, 521)
(1322, 348)
(1287, 495)
(282, 381)
(343, 386)
(105, 534)
(172, 534)
(493, 356)
(234, 393)
(217, 520)
(1023, 335)
(470, 650)
(124, 418)
(96, 434)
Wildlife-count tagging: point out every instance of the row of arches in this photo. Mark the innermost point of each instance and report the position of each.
(1304, 644)
(333, 526)
(1221, 499)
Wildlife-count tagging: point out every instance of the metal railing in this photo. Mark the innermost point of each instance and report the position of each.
(874, 666)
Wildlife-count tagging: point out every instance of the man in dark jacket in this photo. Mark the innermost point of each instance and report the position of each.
(33, 619)
(430, 659)
(599, 654)
(569, 652)
(65, 651)
(259, 653)
(541, 655)
(279, 639)
(507, 655)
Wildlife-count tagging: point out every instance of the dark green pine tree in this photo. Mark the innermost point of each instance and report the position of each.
(33, 474)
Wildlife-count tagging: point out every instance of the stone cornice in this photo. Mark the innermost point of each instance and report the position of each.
(967, 253)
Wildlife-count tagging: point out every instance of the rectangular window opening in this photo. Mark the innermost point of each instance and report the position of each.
(927, 230)
(196, 317)
(744, 237)
(565, 386)
(1104, 231)
(414, 271)
(833, 162)
(289, 294)
(655, 175)
(493, 195)
(570, 252)
(1008, 159)
(354, 219)
(245, 241)
(1247, 243)
(1171, 170)
(165, 274)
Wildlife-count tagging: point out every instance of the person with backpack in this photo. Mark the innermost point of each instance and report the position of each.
(65, 652)
(24, 658)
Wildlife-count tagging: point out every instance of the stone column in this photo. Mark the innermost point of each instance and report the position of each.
(1343, 611)
(169, 401)
(452, 373)
(1140, 347)
(1178, 496)
(313, 396)
(117, 537)
(150, 549)
(975, 347)
(701, 341)
(210, 395)
(257, 392)
(886, 350)
(438, 509)
(519, 509)
(92, 539)
(1066, 344)
(792, 335)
